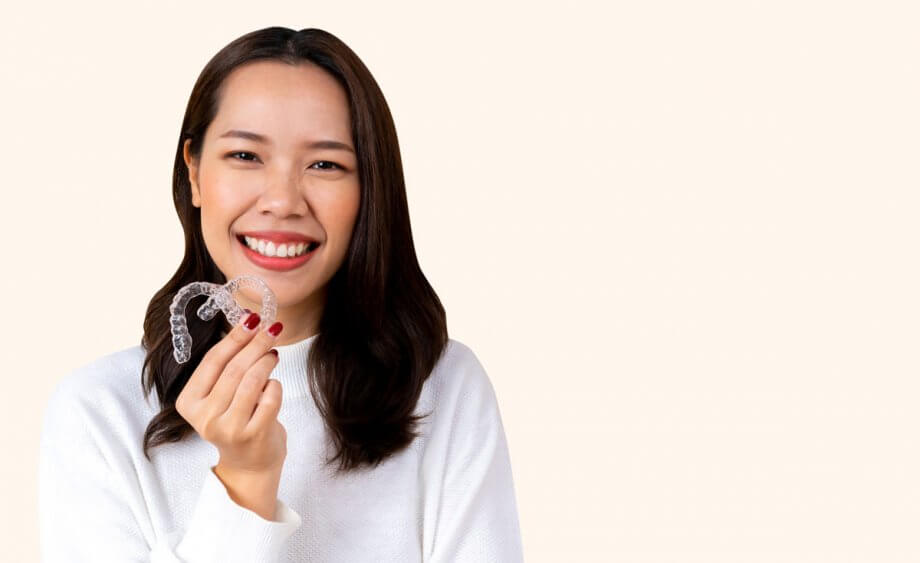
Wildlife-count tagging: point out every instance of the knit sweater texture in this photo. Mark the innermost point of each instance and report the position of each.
(448, 497)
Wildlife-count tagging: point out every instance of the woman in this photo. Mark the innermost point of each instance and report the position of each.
(377, 438)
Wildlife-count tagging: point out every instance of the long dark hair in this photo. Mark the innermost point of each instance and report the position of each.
(383, 327)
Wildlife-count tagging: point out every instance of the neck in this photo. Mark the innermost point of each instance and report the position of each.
(298, 321)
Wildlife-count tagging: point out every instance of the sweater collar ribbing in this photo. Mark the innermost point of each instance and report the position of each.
(291, 370)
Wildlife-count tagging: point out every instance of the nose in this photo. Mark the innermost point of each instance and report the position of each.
(284, 196)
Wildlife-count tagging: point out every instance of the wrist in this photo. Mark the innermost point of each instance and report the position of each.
(256, 491)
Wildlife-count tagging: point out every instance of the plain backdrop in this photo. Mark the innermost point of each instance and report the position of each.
(681, 237)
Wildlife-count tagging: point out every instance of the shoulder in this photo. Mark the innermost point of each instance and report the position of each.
(462, 416)
(103, 390)
(92, 423)
(459, 371)
(459, 388)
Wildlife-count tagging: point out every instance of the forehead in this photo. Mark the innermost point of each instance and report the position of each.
(284, 102)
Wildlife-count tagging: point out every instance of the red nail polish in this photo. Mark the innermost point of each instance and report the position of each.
(275, 352)
(252, 321)
(275, 329)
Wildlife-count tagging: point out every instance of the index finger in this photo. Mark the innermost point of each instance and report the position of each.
(215, 359)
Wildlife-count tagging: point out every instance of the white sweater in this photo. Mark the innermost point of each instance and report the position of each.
(448, 497)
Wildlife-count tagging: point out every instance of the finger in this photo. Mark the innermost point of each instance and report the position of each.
(267, 409)
(225, 387)
(217, 358)
(249, 390)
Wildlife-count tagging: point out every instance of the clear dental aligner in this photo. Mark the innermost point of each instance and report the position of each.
(220, 299)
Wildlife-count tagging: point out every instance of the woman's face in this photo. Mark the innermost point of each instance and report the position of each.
(298, 182)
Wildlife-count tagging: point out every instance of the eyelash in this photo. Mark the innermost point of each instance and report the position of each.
(232, 155)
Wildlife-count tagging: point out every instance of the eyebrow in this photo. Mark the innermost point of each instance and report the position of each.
(323, 144)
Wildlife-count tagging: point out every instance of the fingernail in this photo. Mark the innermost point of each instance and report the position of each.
(275, 352)
(252, 321)
(275, 329)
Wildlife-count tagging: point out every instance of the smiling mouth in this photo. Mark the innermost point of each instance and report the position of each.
(310, 247)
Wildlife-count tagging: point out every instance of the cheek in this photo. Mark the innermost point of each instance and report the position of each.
(220, 204)
(347, 217)
(213, 218)
(340, 213)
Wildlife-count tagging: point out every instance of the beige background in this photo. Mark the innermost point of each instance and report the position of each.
(680, 236)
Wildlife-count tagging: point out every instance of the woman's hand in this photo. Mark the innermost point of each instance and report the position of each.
(231, 402)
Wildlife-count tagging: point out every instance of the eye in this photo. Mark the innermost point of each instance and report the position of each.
(327, 162)
(233, 154)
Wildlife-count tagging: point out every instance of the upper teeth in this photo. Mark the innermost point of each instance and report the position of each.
(268, 248)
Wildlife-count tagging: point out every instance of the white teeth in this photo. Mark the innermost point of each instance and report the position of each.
(268, 248)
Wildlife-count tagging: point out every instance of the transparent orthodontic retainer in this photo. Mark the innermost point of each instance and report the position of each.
(220, 299)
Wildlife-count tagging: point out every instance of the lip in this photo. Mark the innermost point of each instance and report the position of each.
(274, 262)
(279, 236)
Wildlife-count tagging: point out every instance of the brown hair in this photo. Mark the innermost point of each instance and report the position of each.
(382, 329)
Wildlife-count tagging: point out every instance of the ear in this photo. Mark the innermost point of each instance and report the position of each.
(192, 166)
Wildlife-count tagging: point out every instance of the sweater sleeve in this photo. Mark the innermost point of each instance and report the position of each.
(477, 519)
(221, 530)
(89, 512)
